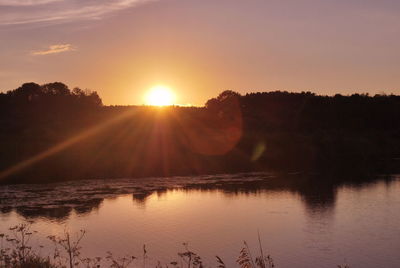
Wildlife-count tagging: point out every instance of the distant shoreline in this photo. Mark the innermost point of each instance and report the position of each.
(51, 133)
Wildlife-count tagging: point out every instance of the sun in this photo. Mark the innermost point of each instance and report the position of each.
(160, 96)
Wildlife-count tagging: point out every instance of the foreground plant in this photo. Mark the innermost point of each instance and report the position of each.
(19, 253)
(246, 260)
(70, 246)
(16, 252)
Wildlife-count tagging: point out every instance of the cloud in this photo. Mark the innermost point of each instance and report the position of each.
(55, 49)
(17, 12)
(18, 3)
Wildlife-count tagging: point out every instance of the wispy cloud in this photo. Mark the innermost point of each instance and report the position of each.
(19, 3)
(54, 49)
(17, 12)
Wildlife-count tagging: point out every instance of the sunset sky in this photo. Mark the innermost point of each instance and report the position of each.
(122, 48)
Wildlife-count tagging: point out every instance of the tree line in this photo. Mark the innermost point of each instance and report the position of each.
(70, 134)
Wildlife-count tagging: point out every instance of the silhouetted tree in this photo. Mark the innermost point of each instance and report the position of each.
(285, 131)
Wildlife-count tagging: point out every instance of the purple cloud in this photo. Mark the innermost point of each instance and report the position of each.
(17, 12)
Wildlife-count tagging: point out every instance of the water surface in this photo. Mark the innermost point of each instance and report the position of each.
(301, 223)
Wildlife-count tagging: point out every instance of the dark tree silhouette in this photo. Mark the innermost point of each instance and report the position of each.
(75, 136)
